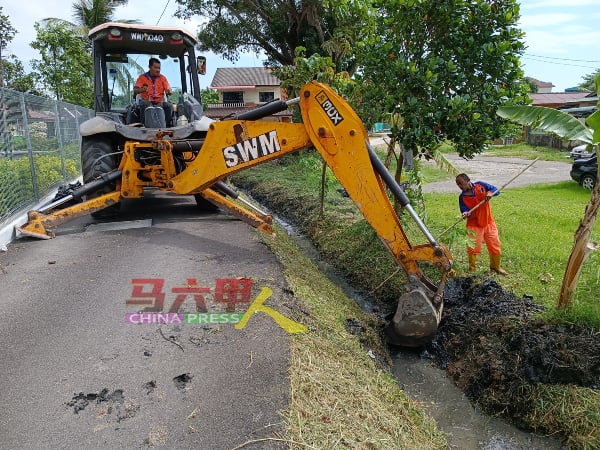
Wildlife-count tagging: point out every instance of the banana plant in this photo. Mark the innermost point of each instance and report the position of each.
(567, 127)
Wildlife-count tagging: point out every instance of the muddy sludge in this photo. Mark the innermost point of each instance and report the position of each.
(496, 349)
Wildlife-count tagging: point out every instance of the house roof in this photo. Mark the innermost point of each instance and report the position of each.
(243, 78)
(38, 115)
(555, 98)
(541, 84)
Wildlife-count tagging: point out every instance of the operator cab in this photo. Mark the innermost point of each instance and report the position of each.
(121, 53)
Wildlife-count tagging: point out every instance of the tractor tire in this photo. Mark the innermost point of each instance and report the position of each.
(588, 182)
(96, 160)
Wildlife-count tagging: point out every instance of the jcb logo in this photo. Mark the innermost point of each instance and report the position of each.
(329, 108)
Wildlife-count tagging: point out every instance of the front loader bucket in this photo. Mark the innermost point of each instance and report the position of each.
(417, 317)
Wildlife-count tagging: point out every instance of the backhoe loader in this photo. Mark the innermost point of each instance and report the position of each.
(196, 158)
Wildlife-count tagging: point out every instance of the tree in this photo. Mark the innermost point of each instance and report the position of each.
(442, 68)
(277, 27)
(7, 34)
(567, 127)
(589, 82)
(209, 97)
(65, 67)
(90, 13)
(533, 87)
(15, 77)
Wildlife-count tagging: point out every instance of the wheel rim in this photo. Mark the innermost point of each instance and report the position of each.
(588, 182)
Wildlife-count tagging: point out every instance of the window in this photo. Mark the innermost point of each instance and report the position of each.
(265, 97)
(233, 97)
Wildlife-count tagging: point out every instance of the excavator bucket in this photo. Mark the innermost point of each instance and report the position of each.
(417, 316)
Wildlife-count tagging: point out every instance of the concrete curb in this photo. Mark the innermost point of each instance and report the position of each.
(8, 233)
(7, 228)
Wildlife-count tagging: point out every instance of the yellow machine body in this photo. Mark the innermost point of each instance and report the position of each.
(337, 133)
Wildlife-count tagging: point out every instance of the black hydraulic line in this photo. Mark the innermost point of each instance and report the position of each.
(97, 183)
(262, 111)
(224, 189)
(92, 186)
(189, 145)
(388, 178)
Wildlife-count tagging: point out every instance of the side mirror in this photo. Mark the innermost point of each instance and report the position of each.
(201, 62)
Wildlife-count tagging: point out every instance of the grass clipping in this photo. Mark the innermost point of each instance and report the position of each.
(340, 398)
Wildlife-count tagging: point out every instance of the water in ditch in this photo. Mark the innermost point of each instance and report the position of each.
(465, 427)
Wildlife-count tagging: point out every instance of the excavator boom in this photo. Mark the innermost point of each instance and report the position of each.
(329, 125)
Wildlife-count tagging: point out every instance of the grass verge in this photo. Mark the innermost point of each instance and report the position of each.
(340, 398)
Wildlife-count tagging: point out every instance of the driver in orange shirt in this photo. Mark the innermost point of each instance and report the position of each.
(154, 87)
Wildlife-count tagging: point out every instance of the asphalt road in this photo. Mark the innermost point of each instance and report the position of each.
(75, 375)
(497, 170)
(500, 170)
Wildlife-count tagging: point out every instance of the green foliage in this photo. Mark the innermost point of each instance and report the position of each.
(209, 97)
(14, 76)
(7, 31)
(444, 68)
(315, 67)
(569, 410)
(7, 34)
(533, 87)
(65, 67)
(547, 119)
(589, 82)
(90, 13)
(16, 181)
(278, 27)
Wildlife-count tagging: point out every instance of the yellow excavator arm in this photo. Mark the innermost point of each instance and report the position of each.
(329, 125)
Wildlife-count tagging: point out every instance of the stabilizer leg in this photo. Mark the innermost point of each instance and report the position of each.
(40, 225)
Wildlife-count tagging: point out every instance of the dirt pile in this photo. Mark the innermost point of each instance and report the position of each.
(494, 347)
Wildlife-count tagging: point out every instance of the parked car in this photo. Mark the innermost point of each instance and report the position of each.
(581, 151)
(585, 171)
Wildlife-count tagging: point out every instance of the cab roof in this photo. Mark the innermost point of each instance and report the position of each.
(137, 38)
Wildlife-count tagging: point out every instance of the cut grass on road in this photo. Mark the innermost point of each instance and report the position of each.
(340, 398)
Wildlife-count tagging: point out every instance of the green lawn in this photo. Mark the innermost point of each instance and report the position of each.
(536, 225)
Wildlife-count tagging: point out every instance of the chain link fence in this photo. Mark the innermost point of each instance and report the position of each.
(39, 148)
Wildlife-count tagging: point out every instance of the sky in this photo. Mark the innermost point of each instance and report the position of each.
(559, 34)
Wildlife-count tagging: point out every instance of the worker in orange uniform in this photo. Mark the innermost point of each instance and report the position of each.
(153, 86)
(480, 221)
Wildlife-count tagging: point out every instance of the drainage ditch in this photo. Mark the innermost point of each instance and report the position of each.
(419, 375)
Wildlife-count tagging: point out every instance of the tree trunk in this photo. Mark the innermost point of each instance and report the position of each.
(323, 187)
(581, 250)
(391, 153)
